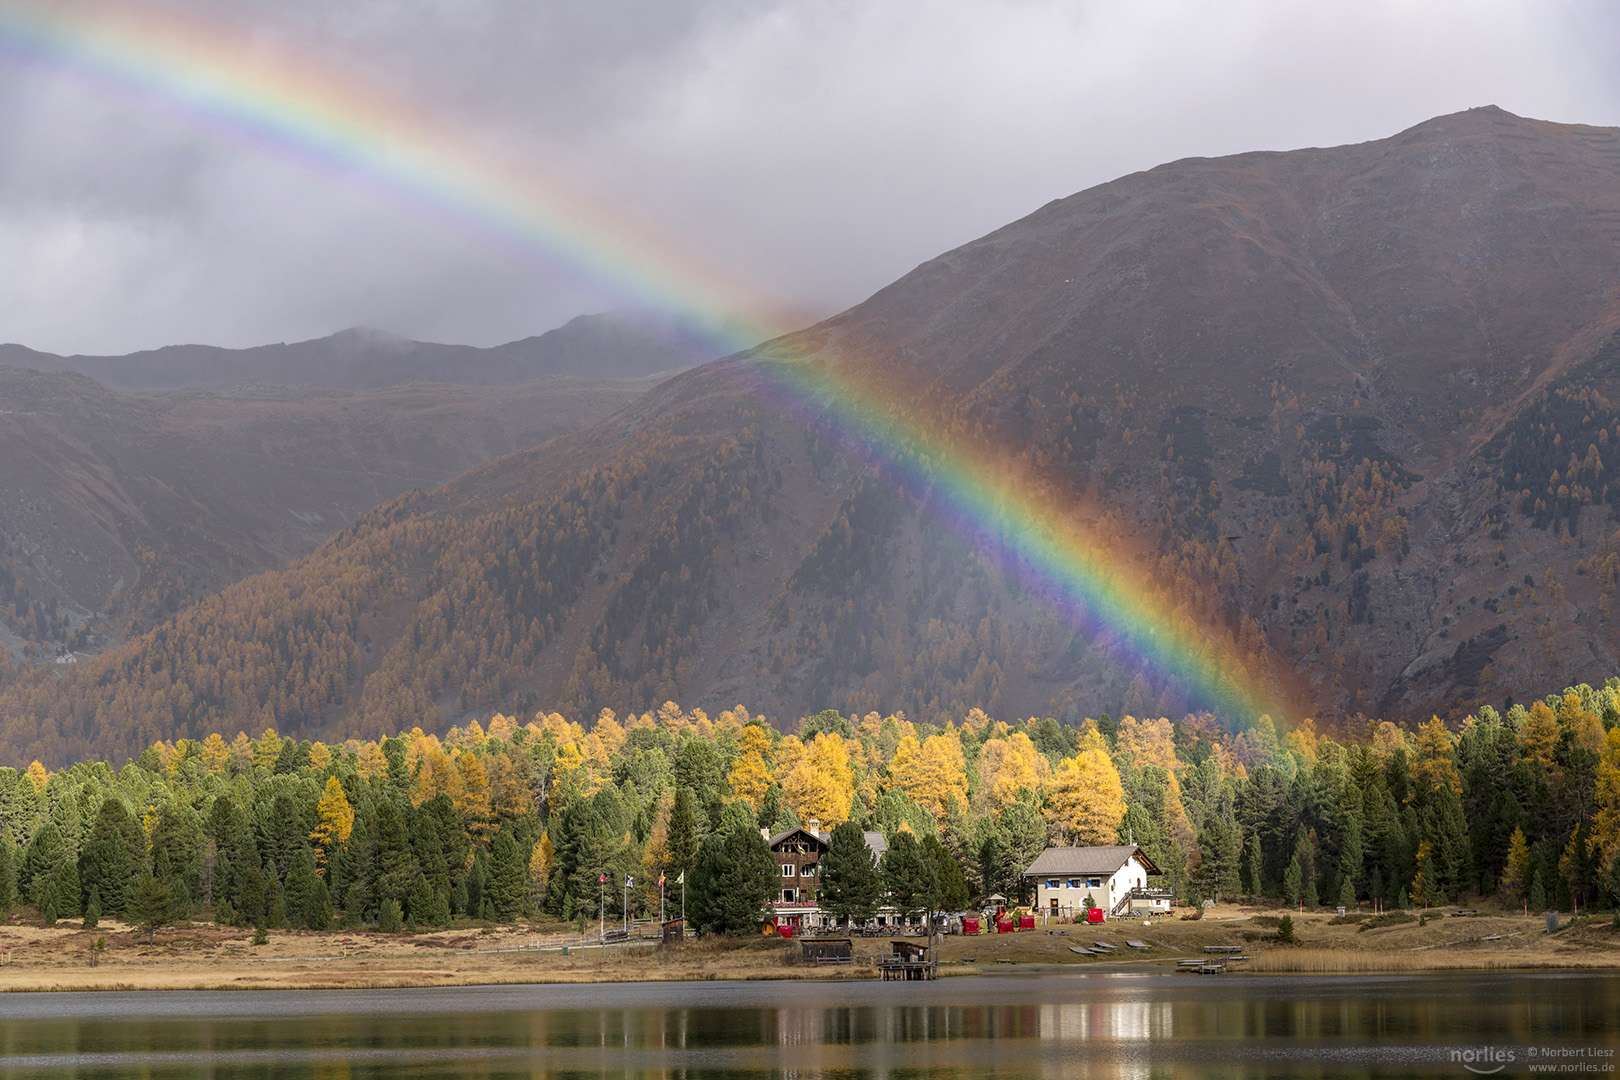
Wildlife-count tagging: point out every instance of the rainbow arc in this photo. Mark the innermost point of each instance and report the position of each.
(297, 110)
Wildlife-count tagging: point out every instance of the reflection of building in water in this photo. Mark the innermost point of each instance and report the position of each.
(1107, 1020)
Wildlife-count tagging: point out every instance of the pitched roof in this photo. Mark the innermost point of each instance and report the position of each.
(820, 838)
(874, 840)
(1059, 861)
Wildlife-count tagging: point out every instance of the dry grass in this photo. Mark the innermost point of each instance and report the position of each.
(1349, 962)
(208, 957)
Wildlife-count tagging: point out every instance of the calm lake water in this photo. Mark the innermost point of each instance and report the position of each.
(1059, 1025)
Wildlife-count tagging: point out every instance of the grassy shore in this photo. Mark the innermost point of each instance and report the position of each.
(204, 956)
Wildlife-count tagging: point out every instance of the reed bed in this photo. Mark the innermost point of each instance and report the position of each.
(1353, 961)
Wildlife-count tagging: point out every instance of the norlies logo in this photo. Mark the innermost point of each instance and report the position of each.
(1484, 1060)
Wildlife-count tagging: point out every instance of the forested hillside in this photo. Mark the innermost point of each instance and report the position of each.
(1342, 413)
(494, 820)
(119, 509)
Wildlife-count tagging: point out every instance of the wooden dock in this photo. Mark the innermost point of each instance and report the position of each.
(909, 961)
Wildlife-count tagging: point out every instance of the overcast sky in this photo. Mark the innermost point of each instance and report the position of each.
(819, 149)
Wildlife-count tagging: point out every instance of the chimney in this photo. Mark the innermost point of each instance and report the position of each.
(815, 825)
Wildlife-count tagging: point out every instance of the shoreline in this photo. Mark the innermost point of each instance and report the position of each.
(206, 957)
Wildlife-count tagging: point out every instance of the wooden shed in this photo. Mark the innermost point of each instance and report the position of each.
(827, 950)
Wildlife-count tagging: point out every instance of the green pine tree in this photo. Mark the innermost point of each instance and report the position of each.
(908, 875)
(508, 875)
(727, 888)
(683, 837)
(1253, 868)
(151, 906)
(950, 891)
(8, 876)
(419, 902)
(850, 883)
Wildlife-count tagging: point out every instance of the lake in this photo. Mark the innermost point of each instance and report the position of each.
(1057, 1025)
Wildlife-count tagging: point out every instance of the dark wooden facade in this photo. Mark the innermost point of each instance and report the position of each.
(798, 853)
(828, 950)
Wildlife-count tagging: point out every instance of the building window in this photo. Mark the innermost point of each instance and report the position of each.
(787, 869)
(1052, 883)
(808, 871)
(787, 896)
(1096, 883)
(1074, 883)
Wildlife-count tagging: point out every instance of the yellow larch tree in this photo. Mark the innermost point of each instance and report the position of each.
(1149, 742)
(1090, 737)
(1386, 739)
(540, 869)
(672, 719)
(933, 772)
(1516, 867)
(1007, 765)
(509, 797)
(751, 775)
(1606, 805)
(1584, 726)
(1434, 765)
(609, 733)
(241, 752)
(821, 784)
(502, 728)
(1538, 735)
(560, 730)
(334, 820)
(1302, 741)
(267, 748)
(473, 801)
(1086, 801)
(570, 777)
(435, 775)
(320, 756)
(216, 754)
(371, 762)
(39, 774)
(702, 726)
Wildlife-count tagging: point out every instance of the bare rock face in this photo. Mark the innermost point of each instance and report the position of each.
(1352, 411)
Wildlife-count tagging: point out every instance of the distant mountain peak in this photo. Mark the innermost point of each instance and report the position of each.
(605, 345)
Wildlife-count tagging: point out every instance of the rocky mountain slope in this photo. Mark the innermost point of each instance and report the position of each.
(1350, 409)
(613, 345)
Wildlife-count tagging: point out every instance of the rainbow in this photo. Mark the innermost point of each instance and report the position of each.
(297, 110)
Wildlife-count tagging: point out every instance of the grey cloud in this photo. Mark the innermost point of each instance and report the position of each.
(816, 151)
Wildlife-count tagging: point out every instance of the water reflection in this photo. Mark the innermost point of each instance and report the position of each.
(1120, 1028)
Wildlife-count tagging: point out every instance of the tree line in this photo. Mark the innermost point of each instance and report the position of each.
(550, 818)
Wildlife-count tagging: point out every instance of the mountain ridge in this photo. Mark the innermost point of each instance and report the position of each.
(1350, 408)
(612, 345)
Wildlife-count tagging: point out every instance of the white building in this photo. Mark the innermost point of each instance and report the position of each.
(1110, 876)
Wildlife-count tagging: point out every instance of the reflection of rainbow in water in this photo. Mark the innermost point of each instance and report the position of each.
(297, 110)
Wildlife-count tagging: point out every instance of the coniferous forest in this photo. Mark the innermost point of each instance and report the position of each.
(506, 820)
